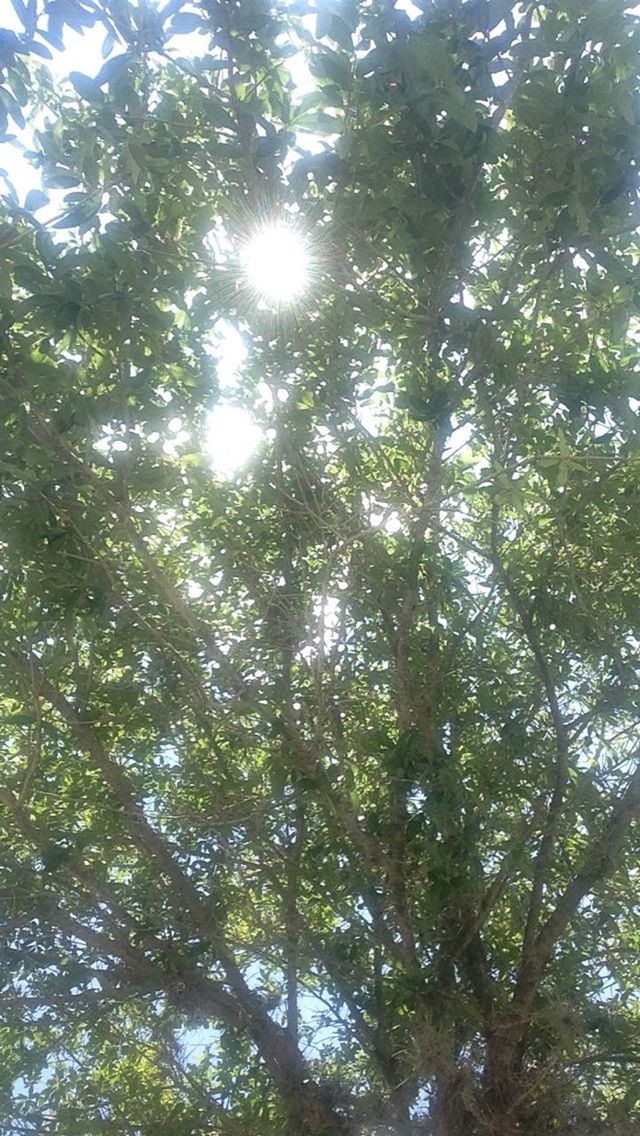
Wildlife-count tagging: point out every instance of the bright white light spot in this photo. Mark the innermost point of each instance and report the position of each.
(11, 22)
(458, 439)
(371, 416)
(276, 263)
(393, 524)
(411, 9)
(170, 445)
(167, 518)
(389, 521)
(324, 629)
(601, 428)
(194, 589)
(373, 403)
(265, 395)
(229, 349)
(298, 67)
(231, 438)
(191, 46)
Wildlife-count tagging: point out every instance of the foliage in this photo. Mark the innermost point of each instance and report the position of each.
(319, 780)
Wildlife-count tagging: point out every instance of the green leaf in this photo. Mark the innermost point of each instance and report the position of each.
(12, 107)
(87, 88)
(57, 857)
(185, 23)
(81, 214)
(59, 178)
(332, 66)
(113, 69)
(415, 826)
(463, 113)
(40, 49)
(35, 200)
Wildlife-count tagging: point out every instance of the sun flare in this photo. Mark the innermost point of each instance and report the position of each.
(276, 263)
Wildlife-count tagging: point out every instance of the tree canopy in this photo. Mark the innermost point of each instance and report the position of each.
(320, 773)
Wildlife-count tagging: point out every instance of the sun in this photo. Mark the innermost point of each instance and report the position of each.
(276, 263)
(231, 438)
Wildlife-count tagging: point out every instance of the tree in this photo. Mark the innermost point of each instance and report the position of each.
(325, 769)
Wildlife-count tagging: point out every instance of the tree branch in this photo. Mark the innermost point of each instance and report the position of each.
(305, 1101)
(600, 859)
